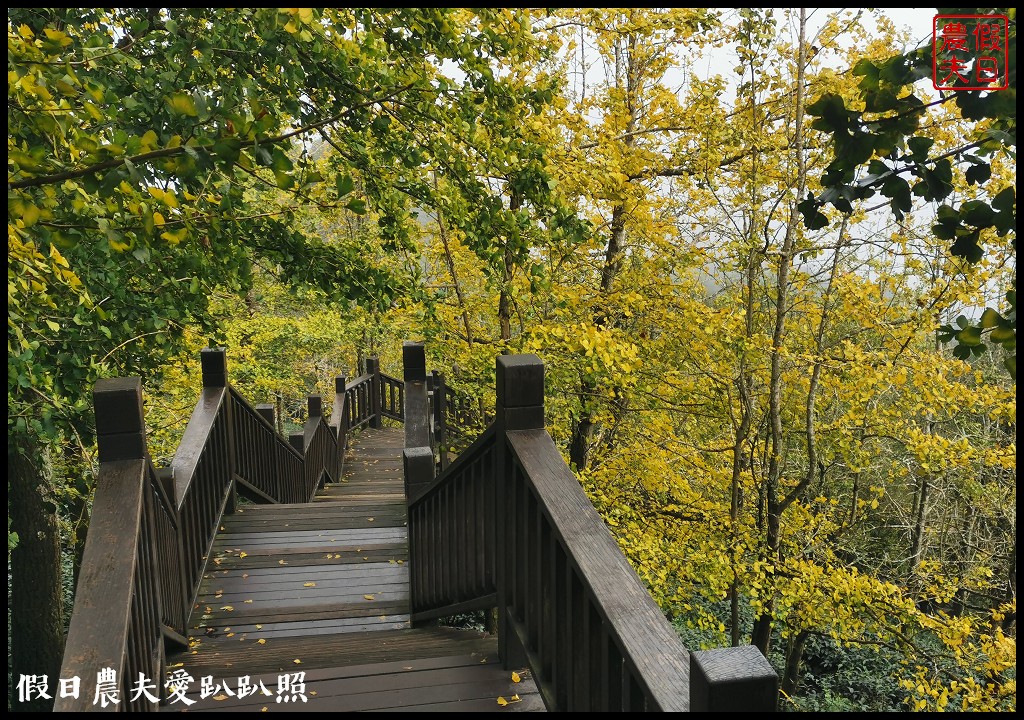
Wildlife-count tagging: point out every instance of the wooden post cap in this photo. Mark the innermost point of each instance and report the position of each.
(414, 361)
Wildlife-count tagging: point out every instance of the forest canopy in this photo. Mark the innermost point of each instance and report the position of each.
(774, 291)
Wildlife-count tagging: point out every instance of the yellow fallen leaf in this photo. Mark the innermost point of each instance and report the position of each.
(309, 584)
(245, 575)
(370, 519)
(313, 692)
(261, 641)
(281, 562)
(516, 698)
(297, 661)
(195, 652)
(502, 701)
(515, 676)
(229, 608)
(247, 602)
(366, 558)
(216, 561)
(243, 554)
(220, 697)
(263, 709)
(229, 635)
(368, 597)
(175, 665)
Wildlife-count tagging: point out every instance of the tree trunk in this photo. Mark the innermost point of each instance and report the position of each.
(774, 504)
(794, 654)
(36, 612)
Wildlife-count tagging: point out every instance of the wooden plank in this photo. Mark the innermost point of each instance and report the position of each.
(479, 684)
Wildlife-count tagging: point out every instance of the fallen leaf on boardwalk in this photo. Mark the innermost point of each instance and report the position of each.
(282, 562)
(209, 609)
(229, 608)
(309, 584)
(229, 635)
(401, 562)
(313, 692)
(515, 676)
(502, 701)
(297, 661)
(220, 697)
(261, 641)
(263, 709)
(195, 652)
(245, 575)
(328, 556)
(370, 519)
(366, 558)
(516, 698)
(368, 597)
(216, 561)
(392, 561)
(247, 602)
(175, 665)
(243, 554)
(221, 527)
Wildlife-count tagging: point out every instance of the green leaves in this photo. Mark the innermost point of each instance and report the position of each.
(831, 113)
(182, 104)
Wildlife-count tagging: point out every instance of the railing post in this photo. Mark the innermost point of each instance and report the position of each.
(518, 405)
(417, 406)
(214, 363)
(266, 411)
(296, 440)
(373, 368)
(732, 679)
(338, 415)
(120, 425)
(440, 419)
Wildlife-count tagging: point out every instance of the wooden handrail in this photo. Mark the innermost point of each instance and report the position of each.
(147, 548)
(569, 604)
(117, 618)
(452, 536)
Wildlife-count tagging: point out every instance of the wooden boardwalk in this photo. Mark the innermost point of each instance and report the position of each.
(323, 589)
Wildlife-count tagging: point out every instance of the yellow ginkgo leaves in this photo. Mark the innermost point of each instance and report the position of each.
(309, 584)
(368, 597)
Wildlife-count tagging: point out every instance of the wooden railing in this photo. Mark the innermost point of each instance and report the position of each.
(151, 532)
(507, 526)
(458, 418)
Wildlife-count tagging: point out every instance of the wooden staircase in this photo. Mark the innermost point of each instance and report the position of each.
(323, 589)
(330, 592)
